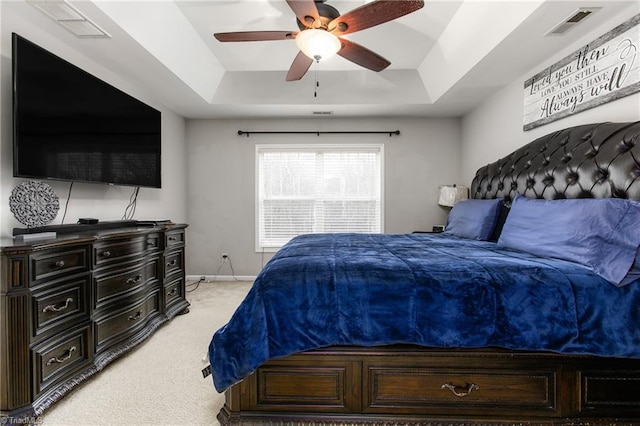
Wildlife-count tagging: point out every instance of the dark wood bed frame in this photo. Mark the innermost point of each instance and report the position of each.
(410, 385)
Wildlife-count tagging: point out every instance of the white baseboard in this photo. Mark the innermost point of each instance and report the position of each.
(211, 278)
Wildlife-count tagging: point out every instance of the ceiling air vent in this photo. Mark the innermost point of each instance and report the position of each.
(322, 112)
(574, 19)
(70, 18)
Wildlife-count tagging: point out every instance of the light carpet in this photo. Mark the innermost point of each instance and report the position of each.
(160, 381)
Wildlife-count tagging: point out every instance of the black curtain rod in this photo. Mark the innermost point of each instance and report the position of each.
(390, 133)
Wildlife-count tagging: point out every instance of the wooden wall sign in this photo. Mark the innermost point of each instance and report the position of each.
(604, 70)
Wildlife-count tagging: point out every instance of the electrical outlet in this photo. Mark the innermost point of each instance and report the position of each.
(225, 257)
(203, 279)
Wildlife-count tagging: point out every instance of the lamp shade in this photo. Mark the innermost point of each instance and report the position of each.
(450, 195)
(318, 44)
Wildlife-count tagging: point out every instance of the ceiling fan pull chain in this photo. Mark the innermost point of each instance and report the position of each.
(315, 89)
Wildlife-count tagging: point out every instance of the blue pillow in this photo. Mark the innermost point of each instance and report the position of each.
(634, 271)
(474, 219)
(600, 234)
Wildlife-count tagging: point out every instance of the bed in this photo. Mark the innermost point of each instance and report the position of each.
(526, 310)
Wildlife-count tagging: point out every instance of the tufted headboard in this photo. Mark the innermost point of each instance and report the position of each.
(599, 160)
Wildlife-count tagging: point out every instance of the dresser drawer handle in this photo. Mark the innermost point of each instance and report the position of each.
(53, 308)
(134, 280)
(135, 317)
(63, 358)
(173, 292)
(173, 263)
(106, 253)
(460, 391)
(151, 243)
(59, 264)
(173, 239)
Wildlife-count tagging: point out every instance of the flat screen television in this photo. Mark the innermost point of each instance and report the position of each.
(69, 125)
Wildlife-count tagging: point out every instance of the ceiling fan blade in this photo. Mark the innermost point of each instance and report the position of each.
(305, 10)
(372, 14)
(255, 36)
(299, 67)
(362, 56)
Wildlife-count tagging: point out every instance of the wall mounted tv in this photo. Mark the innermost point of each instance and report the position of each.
(69, 125)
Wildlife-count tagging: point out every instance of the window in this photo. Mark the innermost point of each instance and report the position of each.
(303, 189)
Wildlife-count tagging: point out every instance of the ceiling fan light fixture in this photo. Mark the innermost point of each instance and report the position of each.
(318, 44)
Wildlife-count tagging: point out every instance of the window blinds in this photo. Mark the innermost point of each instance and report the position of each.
(316, 189)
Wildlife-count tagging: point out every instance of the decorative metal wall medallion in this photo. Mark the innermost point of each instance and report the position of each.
(34, 203)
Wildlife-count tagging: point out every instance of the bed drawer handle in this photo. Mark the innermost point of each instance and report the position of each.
(135, 317)
(63, 358)
(106, 253)
(59, 264)
(53, 308)
(134, 280)
(173, 292)
(173, 263)
(460, 391)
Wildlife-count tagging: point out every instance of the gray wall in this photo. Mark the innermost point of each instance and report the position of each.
(222, 180)
(494, 128)
(90, 200)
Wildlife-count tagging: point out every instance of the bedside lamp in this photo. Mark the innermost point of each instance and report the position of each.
(450, 195)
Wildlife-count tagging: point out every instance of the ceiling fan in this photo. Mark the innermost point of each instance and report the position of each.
(322, 25)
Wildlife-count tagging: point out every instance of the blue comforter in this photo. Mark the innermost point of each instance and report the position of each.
(426, 289)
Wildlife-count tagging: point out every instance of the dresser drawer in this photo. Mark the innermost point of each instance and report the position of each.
(438, 391)
(59, 357)
(153, 242)
(51, 264)
(116, 283)
(60, 304)
(174, 291)
(173, 262)
(174, 238)
(111, 329)
(106, 253)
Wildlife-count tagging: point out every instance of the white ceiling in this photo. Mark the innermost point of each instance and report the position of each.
(445, 58)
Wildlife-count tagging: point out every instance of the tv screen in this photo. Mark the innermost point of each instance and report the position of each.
(70, 125)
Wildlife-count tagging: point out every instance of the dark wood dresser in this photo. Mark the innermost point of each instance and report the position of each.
(69, 305)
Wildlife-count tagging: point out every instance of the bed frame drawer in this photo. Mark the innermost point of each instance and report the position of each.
(433, 390)
(610, 392)
(323, 387)
(412, 385)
